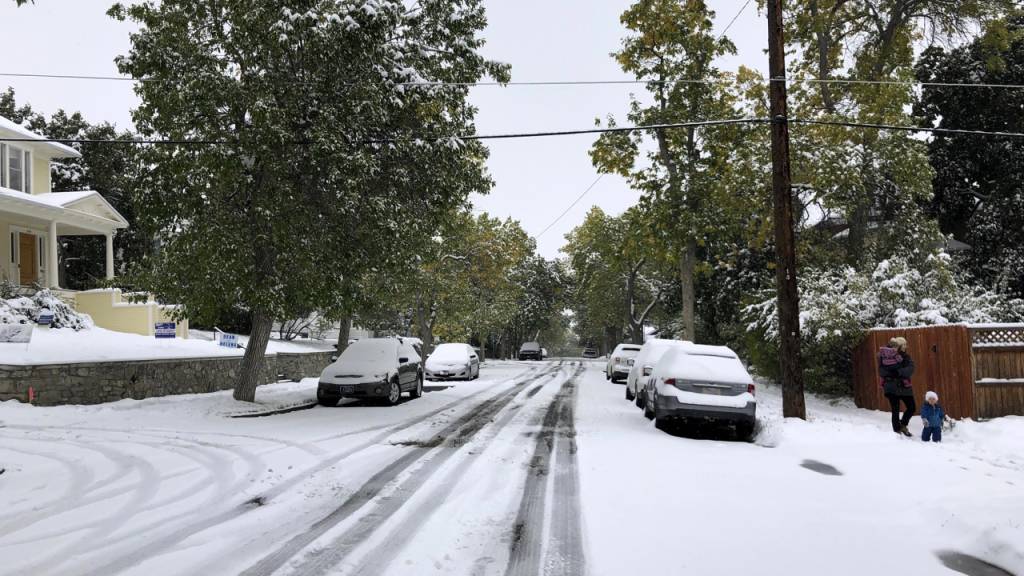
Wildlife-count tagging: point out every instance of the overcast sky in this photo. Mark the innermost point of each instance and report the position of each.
(543, 40)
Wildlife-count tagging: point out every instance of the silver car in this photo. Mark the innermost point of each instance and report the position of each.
(450, 361)
(697, 383)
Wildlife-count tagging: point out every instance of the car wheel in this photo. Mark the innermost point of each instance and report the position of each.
(394, 393)
(640, 400)
(418, 390)
(629, 392)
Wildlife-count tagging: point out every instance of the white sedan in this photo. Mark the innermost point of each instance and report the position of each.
(451, 361)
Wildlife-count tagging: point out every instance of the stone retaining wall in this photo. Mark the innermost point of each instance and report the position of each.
(98, 382)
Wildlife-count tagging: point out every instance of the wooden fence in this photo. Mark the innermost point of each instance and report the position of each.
(977, 370)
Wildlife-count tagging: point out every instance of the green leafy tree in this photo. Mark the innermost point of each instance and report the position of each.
(669, 44)
(316, 171)
(978, 179)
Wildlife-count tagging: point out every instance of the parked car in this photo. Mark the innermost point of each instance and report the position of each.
(449, 361)
(620, 361)
(381, 368)
(590, 352)
(701, 383)
(531, 351)
(643, 365)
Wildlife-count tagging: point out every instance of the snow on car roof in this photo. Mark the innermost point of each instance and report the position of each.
(699, 363)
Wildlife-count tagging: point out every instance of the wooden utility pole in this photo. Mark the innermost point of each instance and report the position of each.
(785, 249)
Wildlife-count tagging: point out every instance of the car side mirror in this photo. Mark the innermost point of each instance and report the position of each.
(648, 370)
(403, 360)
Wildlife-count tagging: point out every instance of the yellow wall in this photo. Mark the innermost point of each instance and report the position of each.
(109, 310)
(40, 175)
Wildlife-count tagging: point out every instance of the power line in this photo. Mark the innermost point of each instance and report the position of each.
(908, 128)
(412, 137)
(522, 135)
(581, 82)
(574, 202)
(733, 21)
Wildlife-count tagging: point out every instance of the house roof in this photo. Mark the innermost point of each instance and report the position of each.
(85, 206)
(9, 129)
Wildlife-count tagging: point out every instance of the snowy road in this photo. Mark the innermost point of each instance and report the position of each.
(536, 468)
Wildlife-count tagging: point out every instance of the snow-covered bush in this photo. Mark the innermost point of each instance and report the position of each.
(838, 306)
(26, 309)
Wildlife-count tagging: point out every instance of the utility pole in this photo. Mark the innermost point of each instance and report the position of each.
(785, 249)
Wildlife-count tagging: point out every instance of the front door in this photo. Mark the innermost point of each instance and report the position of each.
(28, 260)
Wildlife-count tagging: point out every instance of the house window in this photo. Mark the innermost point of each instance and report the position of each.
(16, 169)
(14, 248)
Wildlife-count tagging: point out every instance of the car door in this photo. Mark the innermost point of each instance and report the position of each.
(408, 370)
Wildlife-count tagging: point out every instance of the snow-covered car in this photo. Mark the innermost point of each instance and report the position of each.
(643, 365)
(620, 361)
(701, 383)
(449, 361)
(382, 368)
(590, 352)
(531, 351)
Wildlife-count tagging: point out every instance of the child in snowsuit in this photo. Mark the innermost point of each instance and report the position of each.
(895, 367)
(932, 414)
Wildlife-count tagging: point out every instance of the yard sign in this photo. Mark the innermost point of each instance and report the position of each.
(165, 330)
(229, 340)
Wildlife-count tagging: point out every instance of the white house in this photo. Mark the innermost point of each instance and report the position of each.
(32, 217)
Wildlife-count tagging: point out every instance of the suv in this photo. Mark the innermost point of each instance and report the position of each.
(381, 368)
(620, 361)
(703, 383)
(531, 351)
(590, 352)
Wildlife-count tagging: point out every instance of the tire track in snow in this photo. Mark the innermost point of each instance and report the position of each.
(528, 552)
(376, 561)
(156, 544)
(432, 456)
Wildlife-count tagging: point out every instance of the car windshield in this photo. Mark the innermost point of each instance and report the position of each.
(374, 352)
(450, 353)
(704, 368)
(629, 351)
(531, 347)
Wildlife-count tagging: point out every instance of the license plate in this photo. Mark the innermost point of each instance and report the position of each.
(347, 389)
(443, 373)
(712, 391)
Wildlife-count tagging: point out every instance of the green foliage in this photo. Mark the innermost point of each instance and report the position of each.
(978, 180)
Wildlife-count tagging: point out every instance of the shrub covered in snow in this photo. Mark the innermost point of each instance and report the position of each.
(25, 309)
(838, 306)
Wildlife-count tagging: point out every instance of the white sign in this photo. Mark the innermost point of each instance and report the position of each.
(16, 333)
(229, 340)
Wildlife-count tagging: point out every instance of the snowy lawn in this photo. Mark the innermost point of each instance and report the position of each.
(537, 467)
(98, 345)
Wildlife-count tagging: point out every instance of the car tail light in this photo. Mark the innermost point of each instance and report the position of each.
(750, 389)
(669, 381)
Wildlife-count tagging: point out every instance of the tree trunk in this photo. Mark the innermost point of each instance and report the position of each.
(688, 279)
(250, 374)
(344, 333)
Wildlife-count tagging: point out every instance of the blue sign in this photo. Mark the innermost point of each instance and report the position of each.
(229, 340)
(165, 330)
(45, 317)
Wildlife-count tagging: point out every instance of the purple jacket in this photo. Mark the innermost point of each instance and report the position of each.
(894, 370)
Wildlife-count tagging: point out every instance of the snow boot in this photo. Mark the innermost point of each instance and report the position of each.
(905, 432)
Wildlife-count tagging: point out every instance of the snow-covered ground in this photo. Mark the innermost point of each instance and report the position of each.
(535, 468)
(97, 345)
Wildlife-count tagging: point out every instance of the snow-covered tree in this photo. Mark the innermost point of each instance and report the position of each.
(313, 149)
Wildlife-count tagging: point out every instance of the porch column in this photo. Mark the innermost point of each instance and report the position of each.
(52, 258)
(110, 255)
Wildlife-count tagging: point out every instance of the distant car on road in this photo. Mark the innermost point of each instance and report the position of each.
(531, 351)
(449, 361)
(643, 365)
(620, 361)
(701, 383)
(381, 368)
(590, 352)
